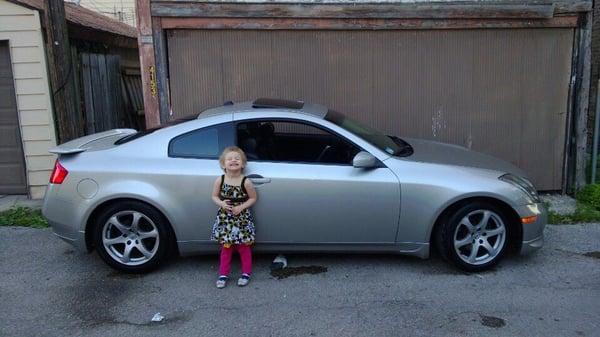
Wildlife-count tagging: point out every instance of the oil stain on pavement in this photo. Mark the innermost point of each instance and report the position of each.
(295, 271)
(491, 321)
(592, 254)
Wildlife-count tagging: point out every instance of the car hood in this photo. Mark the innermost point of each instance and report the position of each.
(442, 153)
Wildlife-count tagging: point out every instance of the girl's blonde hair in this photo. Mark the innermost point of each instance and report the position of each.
(232, 149)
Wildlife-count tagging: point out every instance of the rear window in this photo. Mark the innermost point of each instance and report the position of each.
(205, 143)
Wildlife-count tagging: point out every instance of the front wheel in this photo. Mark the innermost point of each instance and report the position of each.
(475, 237)
(132, 237)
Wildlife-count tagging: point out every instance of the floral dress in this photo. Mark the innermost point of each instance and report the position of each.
(228, 228)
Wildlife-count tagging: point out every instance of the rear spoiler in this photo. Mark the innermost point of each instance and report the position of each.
(79, 145)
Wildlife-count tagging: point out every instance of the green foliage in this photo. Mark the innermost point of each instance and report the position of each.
(555, 218)
(583, 213)
(587, 210)
(589, 170)
(586, 213)
(590, 195)
(23, 216)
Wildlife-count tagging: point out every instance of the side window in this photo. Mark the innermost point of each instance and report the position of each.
(297, 142)
(202, 143)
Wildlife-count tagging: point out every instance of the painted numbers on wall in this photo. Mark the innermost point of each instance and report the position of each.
(153, 86)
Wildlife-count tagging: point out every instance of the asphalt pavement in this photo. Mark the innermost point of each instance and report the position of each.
(48, 289)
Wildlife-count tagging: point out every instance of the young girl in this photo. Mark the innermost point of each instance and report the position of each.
(234, 225)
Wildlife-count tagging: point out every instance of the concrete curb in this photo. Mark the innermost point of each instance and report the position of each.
(9, 201)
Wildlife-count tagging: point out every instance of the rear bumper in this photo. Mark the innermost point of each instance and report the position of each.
(533, 233)
(77, 240)
(65, 219)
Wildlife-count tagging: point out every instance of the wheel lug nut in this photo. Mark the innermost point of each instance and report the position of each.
(128, 242)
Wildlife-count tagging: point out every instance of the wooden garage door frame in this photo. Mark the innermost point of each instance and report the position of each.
(14, 180)
(155, 17)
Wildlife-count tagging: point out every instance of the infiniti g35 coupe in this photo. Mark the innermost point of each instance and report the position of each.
(325, 183)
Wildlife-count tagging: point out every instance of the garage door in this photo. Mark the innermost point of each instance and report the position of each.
(499, 91)
(12, 167)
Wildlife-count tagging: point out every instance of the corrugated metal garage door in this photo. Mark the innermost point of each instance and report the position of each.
(12, 167)
(499, 91)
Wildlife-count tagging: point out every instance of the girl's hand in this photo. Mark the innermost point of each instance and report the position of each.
(237, 210)
(225, 204)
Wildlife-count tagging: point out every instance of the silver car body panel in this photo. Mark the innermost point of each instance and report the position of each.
(449, 154)
(304, 207)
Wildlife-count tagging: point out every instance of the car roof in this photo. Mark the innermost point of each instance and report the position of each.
(267, 105)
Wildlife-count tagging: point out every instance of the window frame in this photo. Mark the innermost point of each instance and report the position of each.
(225, 130)
(299, 121)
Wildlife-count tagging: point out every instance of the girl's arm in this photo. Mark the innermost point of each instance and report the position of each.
(215, 195)
(251, 197)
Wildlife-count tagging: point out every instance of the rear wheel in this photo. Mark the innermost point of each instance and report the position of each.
(475, 237)
(132, 237)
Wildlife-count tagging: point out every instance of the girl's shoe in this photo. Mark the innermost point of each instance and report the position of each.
(222, 281)
(243, 280)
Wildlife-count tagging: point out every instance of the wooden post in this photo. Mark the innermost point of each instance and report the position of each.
(160, 56)
(62, 78)
(147, 63)
(582, 98)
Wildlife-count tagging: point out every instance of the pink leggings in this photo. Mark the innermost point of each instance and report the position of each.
(245, 257)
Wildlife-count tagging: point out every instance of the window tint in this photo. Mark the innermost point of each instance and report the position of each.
(287, 141)
(202, 143)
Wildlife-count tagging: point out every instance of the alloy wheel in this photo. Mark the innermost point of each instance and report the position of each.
(130, 238)
(479, 237)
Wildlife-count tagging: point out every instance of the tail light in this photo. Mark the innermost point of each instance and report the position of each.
(58, 174)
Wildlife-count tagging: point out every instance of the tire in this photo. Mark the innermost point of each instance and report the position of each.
(471, 243)
(132, 246)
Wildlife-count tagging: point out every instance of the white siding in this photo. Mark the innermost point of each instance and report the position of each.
(26, 54)
(30, 86)
(35, 117)
(38, 148)
(21, 27)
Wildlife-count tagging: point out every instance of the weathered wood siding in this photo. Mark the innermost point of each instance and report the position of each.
(102, 92)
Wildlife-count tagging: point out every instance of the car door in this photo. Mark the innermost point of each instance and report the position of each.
(309, 193)
(193, 166)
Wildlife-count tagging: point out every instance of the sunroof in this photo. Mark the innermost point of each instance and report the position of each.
(277, 103)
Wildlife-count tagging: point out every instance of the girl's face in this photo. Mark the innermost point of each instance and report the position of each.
(233, 161)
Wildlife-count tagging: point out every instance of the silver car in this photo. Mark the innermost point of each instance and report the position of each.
(325, 183)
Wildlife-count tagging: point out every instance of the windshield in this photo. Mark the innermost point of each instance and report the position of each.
(390, 144)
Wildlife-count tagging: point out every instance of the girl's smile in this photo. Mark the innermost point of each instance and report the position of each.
(233, 161)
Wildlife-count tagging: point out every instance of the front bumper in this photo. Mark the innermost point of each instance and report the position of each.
(533, 233)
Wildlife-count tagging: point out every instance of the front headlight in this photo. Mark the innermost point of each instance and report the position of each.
(522, 184)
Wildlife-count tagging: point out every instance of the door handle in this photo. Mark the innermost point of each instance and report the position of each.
(258, 179)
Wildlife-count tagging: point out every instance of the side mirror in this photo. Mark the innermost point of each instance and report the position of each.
(364, 159)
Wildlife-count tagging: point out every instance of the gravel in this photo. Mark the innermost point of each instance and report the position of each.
(561, 204)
